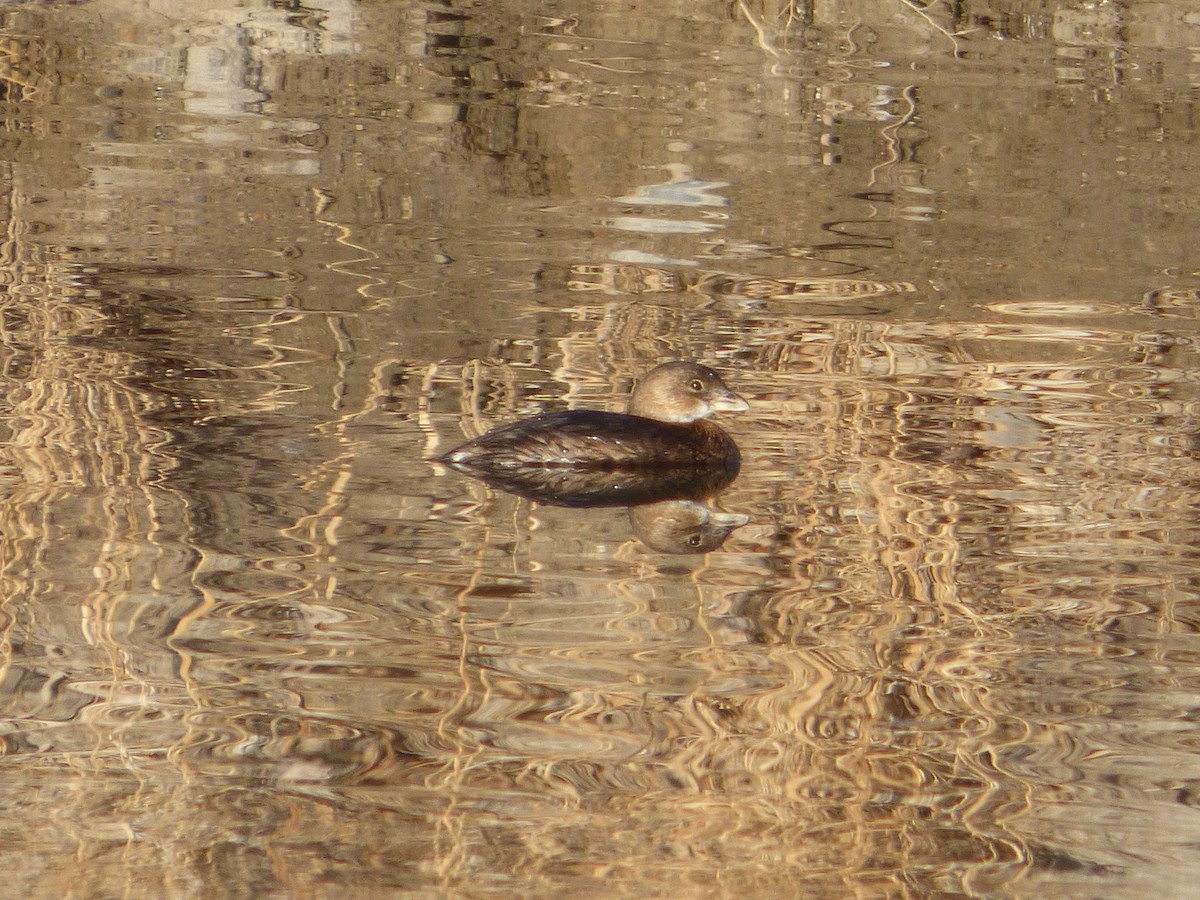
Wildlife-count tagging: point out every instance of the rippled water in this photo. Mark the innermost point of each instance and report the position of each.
(264, 262)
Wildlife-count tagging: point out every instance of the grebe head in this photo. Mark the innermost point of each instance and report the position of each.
(683, 392)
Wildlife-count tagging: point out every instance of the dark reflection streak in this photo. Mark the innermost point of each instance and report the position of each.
(862, 241)
(848, 268)
(100, 273)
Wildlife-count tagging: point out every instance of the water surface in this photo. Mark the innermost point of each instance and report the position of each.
(263, 264)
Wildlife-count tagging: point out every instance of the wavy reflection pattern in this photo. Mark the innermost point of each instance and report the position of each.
(251, 636)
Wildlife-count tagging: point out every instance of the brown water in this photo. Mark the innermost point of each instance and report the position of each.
(263, 261)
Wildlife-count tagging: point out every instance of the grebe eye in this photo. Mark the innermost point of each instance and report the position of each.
(697, 385)
(693, 540)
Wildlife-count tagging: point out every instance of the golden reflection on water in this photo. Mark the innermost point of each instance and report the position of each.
(252, 641)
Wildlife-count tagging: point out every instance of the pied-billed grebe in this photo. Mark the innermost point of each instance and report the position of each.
(666, 427)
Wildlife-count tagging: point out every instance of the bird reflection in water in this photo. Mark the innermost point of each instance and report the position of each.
(683, 526)
(662, 459)
(669, 510)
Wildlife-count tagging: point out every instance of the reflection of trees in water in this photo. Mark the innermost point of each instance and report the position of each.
(224, 664)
